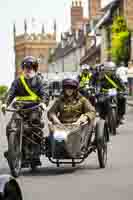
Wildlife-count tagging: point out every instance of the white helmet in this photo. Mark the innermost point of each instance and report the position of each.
(85, 66)
(111, 66)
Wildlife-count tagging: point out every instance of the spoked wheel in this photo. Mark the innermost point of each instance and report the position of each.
(101, 138)
(102, 153)
(14, 154)
(113, 122)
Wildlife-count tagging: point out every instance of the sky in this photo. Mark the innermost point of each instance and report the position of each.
(42, 11)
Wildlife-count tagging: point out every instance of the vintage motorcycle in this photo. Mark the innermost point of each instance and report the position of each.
(68, 144)
(89, 92)
(107, 107)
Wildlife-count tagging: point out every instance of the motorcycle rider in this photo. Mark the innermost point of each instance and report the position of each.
(85, 75)
(71, 107)
(29, 87)
(84, 78)
(108, 79)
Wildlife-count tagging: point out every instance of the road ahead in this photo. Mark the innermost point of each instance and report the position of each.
(87, 181)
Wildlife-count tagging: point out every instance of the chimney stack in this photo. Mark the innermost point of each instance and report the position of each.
(76, 14)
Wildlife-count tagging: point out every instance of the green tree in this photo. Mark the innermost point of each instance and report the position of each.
(120, 40)
(3, 91)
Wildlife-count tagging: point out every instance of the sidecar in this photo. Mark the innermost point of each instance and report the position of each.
(70, 144)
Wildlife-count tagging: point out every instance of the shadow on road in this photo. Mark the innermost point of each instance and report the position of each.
(53, 171)
(4, 171)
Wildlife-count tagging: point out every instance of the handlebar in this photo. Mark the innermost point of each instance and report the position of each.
(25, 109)
(123, 93)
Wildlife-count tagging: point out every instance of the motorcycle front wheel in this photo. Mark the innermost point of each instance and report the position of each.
(14, 154)
(101, 139)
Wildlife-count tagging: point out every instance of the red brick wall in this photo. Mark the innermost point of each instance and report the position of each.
(76, 13)
(94, 8)
(128, 12)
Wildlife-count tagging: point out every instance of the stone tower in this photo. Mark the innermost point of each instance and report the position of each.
(76, 14)
(37, 45)
(94, 8)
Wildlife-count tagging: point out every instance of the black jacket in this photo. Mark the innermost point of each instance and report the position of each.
(107, 85)
(36, 84)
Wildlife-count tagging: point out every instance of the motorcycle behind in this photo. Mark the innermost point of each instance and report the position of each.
(107, 108)
(66, 144)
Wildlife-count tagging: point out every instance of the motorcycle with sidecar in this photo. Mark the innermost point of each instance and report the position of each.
(66, 144)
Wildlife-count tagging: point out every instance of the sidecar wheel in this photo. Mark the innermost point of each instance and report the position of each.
(14, 155)
(101, 139)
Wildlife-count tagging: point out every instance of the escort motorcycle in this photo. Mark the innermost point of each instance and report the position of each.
(89, 92)
(9, 188)
(66, 144)
(107, 108)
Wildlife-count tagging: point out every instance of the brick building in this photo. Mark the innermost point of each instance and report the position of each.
(127, 6)
(77, 16)
(37, 45)
(94, 8)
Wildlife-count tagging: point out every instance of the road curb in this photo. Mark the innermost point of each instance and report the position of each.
(129, 103)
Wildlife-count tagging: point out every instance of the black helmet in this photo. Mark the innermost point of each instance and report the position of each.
(71, 82)
(30, 62)
(99, 67)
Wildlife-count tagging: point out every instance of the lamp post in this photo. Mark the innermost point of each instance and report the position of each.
(75, 56)
(62, 46)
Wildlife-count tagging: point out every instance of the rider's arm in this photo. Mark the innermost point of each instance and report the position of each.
(53, 112)
(88, 109)
(119, 82)
(12, 92)
(43, 91)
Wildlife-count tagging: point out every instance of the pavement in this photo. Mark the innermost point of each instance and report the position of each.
(130, 100)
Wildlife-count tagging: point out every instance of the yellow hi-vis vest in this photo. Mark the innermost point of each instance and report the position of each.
(85, 79)
(32, 96)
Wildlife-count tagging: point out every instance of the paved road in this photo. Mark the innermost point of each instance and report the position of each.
(87, 181)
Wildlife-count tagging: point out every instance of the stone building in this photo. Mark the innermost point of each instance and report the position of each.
(37, 45)
(93, 37)
(70, 50)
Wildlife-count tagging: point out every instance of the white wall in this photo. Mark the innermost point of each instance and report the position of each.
(106, 2)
